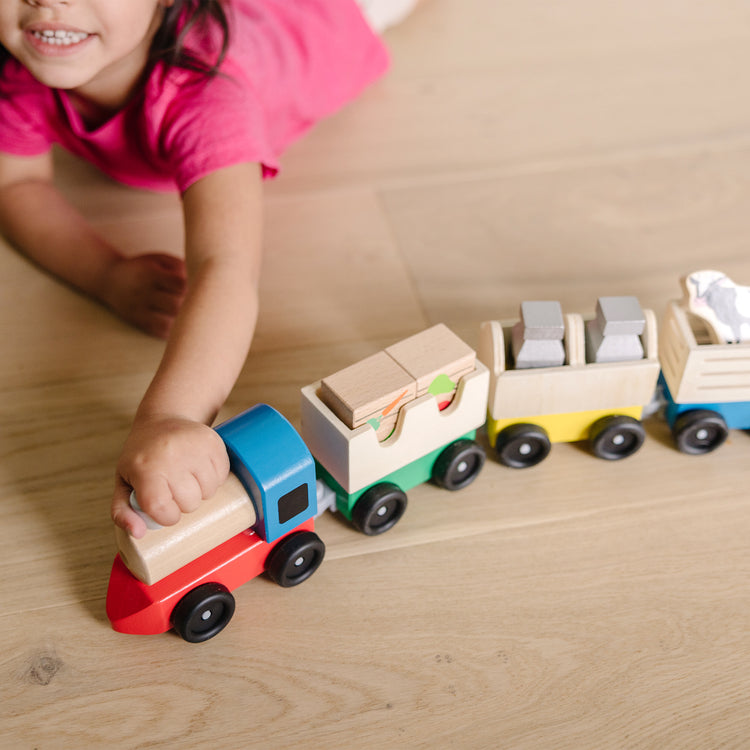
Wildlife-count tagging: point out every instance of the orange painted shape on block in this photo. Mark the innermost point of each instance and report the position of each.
(394, 403)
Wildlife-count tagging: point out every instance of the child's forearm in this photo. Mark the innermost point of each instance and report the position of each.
(40, 222)
(213, 331)
(207, 347)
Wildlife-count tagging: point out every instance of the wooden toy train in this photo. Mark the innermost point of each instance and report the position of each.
(409, 414)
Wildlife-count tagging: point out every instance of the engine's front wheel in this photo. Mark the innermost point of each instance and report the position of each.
(203, 612)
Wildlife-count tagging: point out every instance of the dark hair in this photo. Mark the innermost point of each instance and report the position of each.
(180, 18)
(168, 44)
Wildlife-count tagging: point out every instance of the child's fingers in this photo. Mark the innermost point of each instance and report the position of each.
(165, 272)
(175, 283)
(215, 470)
(171, 285)
(123, 515)
(155, 498)
(187, 462)
(220, 463)
(211, 476)
(165, 302)
(187, 492)
(154, 323)
(168, 263)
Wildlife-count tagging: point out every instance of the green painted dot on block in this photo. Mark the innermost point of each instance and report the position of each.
(441, 384)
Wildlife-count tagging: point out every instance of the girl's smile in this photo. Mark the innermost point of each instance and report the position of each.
(56, 40)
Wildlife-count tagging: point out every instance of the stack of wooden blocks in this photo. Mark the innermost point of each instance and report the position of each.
(373, 390)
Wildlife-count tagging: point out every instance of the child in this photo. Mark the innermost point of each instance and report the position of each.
(196, 95)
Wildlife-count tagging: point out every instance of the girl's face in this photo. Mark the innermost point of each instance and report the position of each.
(96, 48)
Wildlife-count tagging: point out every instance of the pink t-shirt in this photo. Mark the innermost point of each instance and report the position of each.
(290, 63)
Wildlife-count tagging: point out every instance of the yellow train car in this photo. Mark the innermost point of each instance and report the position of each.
(601, 402)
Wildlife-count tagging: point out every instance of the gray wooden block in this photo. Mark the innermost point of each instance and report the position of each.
(537, 339)
(542, 320)
(614, 334)
(620, 316)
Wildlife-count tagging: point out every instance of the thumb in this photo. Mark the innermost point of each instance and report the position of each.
(122, 514)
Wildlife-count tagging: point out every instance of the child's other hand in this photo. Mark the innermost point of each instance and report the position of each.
(146, 291)
(173, 464)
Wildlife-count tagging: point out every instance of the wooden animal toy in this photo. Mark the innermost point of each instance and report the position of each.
(725, 306)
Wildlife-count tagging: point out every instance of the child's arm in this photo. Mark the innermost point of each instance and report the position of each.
(164, 458)
(172, 458)
(36, 218)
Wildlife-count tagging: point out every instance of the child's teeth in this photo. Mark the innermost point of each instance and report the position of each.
(60, 37)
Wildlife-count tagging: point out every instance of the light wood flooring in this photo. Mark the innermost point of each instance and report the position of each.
(519, 149)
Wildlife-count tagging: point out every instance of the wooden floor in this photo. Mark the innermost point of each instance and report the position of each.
(518, 150)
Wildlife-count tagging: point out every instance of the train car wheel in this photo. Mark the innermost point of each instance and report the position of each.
(699, 431)
(616, 437)
(295, 558)
(458, 465)
(203, 612)
(522, 445)
(379, 509)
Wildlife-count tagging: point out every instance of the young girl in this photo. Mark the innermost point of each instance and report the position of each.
(201, 96)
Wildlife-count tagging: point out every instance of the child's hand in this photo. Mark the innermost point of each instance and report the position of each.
(146, 291)
(173, 464)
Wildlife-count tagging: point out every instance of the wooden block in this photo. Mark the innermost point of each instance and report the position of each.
(437, 359)
(614, 334)
(537, 338)
(369, 391)
(542, 320)
(163, 550)
(619, 316)
(529, 353)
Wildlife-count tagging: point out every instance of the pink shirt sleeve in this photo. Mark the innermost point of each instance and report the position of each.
(217, 124)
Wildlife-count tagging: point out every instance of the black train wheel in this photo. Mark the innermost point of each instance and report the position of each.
(522, 445)
(295, 558)
(458, 465)
(616, 437)
(379, 509)
(699, 431)
(203, 612)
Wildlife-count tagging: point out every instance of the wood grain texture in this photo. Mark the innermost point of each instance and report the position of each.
(518, 150)
(374, 387)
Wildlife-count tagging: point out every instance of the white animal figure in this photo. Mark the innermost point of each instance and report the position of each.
(715, 298)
